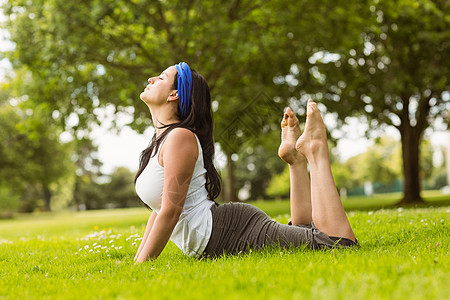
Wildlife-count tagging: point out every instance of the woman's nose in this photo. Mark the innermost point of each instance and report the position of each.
(150, 80)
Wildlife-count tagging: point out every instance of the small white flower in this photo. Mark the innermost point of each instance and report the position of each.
(91, 250)
(94, 244)
(104, 247)
(112, 246)
(86, 247)
(134, 243)
(120, 247)
(111, 241)
(80, 249)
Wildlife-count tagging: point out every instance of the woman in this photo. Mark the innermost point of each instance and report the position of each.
(178, 180)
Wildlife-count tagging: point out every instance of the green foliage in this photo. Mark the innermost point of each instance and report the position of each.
(109, 48)
(31, 155)
(395, 73)
(88, 193)
(87, 55)
(385, 60)
(279, 185)
(343, 176)
(9, 202)
(257, 165)
(438, 178)
(118, 192)
(403, 255)
(426, 159)
(381, 163)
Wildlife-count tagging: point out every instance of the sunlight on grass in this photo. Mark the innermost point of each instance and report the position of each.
(403, 255)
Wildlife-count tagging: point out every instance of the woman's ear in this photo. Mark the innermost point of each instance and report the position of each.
(173, 96)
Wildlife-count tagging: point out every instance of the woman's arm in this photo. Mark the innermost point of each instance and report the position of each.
(150, 222)
(179, 156)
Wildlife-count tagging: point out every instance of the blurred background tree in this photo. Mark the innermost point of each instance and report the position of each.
(33, 159)
(395, 73)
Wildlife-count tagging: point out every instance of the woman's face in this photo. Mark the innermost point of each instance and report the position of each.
(159, 88)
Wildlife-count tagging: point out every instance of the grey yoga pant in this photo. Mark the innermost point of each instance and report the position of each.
(239, 227)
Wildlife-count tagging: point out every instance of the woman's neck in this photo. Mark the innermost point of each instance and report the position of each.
(162, 116)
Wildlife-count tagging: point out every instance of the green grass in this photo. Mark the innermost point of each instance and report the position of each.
(403, 255)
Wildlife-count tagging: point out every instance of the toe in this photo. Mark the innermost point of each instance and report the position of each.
(284, 122)
(311, 107)
(289, 112)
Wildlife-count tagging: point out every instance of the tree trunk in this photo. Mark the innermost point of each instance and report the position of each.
(410, 152)
(47, 198)
(230, 189)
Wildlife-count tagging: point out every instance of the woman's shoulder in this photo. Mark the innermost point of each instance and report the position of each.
(182, 141)
(181, 134)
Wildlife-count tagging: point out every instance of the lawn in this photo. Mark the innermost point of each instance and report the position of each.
(403, 255)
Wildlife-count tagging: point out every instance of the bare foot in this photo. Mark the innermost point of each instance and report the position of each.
(314, 137)
(290, 132)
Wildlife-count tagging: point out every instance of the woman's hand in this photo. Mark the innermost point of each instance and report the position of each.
(148, 228)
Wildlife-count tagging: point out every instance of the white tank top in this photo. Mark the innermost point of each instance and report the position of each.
(193, 230)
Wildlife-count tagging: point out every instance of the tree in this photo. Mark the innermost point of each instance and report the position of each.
(256, 166)
(381, 163)
(89, 194)
(120, 190)
(87, 190)
(343, 177)
(31, 154)
(396, 74)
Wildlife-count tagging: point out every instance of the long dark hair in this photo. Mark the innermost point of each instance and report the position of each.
(199, 120)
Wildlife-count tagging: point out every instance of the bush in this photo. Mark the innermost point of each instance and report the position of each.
(9, 202)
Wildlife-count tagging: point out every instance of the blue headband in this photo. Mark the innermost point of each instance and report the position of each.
(184, 87)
